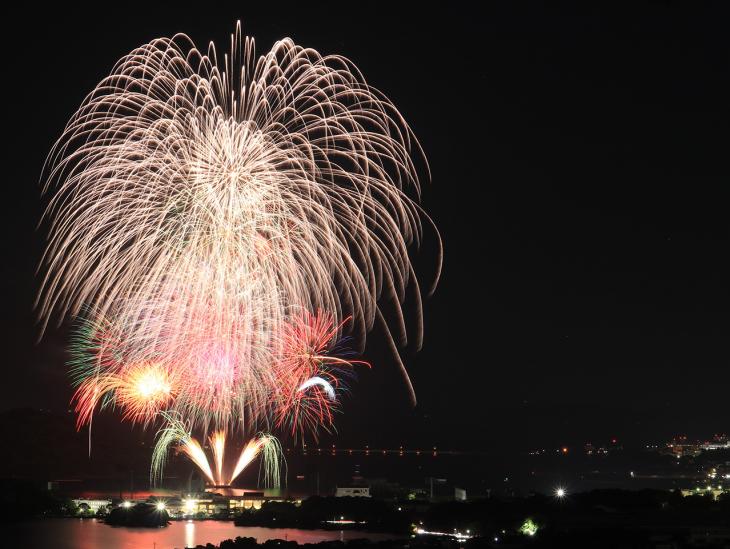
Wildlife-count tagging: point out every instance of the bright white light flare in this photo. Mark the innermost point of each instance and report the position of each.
(322, 383)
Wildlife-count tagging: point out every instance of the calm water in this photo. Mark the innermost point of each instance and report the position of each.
(93, 534)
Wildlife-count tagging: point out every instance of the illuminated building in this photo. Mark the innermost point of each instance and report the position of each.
(715, 491)
(352, 492)
(210, 504)
(92, 504)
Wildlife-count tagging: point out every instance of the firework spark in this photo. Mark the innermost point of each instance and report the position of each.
(312, 366)
(271, 462)
(192, 448)
(218, 444)
(176, 432)
(248, 454)
(142, 390)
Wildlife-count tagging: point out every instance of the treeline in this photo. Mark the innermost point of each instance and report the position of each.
(404, 543)
(626, 508)
(600, 518)
(22, 499)
(585, 538)
(141, 514)
(607, 507)
(316, 512)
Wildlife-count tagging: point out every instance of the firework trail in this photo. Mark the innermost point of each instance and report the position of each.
(248, 454)
(176, 432)
(218, 443)
(218, 222)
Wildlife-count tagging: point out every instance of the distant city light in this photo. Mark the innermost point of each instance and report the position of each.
(458, 535)
(560, 492)
(127, 504)
(343, 521)
(529, 527)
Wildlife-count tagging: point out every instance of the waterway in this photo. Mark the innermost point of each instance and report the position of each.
(94, 534)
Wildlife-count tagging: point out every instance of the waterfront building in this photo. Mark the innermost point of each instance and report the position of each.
(352, 492)
(92, 504)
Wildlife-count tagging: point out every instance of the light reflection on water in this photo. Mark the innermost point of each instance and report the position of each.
(190, 534)
(93, 534)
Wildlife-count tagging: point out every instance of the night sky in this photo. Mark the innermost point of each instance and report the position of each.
(579, 181)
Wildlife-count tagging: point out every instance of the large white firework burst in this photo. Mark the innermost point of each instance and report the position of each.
(200, 203)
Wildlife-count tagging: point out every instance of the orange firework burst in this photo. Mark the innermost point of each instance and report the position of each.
(146, 389)
(141, 391)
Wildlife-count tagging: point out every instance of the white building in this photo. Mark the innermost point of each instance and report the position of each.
(92, 504)
(352, 492)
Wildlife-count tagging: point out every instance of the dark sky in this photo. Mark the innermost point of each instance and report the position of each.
(580, 183)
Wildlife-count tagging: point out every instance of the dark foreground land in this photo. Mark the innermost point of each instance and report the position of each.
(600, 519)
(141, 515)
(623, 539)
(597, 519)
